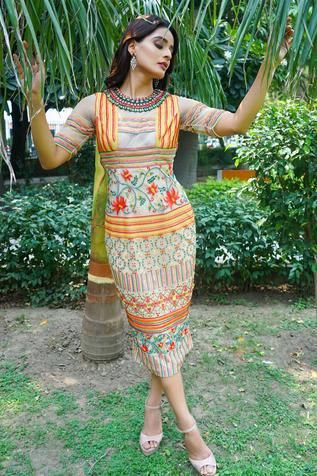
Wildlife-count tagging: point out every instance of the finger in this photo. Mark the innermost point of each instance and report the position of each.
(25, 45)
(17, 63)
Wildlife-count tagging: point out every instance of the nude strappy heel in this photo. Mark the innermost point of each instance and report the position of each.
(146, 438)
(198, 464)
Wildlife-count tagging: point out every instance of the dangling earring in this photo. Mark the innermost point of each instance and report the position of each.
(155, 82)
(133, 63)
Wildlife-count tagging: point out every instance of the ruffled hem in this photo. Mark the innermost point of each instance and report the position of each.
(164, 364)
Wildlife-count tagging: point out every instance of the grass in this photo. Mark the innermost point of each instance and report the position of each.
(259, 419)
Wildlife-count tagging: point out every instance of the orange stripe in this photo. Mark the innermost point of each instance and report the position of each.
(148, 233)
(97, 111)
(173, 314)
(106, 124)
(149, 326)
(162, 318)
(147, 227)
(150, 218)
(168, 114)
(176, 121)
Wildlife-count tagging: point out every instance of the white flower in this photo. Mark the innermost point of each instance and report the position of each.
(228, 55)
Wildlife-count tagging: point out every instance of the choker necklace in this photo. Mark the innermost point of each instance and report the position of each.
(136, 104)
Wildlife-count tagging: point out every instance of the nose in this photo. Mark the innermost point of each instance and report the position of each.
(168, 54)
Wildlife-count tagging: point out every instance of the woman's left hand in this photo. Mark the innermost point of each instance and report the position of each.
(286, 43)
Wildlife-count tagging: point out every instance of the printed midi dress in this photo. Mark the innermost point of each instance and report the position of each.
(149, 221)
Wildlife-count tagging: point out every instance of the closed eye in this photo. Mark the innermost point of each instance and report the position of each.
(160, 47)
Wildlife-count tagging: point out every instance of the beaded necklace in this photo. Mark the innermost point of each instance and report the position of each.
(142, 104)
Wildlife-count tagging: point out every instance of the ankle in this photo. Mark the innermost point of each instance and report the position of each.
(184, 422)
(153, 401)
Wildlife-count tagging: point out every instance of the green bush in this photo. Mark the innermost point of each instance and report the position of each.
(233, 246)
(212, 187)
(45, 238)
(282, 148)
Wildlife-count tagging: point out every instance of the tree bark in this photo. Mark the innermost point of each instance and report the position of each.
(20, 125)
(186, 159)
(102, 336)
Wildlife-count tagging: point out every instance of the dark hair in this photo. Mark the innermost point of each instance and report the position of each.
(137, 30)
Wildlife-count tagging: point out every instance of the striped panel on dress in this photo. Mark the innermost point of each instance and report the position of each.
(106, 123)
(168, 120)
(156, 278)
(136, 157)
(151, 225)
(75, 132)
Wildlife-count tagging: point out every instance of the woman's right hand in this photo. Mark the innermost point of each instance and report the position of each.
(38, 73)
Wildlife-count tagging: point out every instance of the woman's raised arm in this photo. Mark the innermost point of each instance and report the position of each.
(241, 120)
(80, 125)
(200, 118)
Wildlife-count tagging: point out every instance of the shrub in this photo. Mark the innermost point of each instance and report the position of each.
(45, 236)
(282, 148)
(233, 246)
(212, 187)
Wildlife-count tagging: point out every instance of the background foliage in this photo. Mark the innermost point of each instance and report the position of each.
(282, 148)
(45, 235)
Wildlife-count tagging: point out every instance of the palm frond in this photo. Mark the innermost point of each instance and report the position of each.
(77, 39)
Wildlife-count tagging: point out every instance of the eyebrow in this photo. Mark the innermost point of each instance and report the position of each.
(164, 39)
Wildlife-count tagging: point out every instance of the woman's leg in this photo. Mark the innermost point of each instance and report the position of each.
(156, 390)
(174, 390)
(152, 417)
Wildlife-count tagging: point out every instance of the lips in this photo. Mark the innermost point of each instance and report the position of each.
(163, 65)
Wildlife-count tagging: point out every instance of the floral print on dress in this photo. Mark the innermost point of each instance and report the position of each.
(119, 204)
(161, 343)
(126, 175)
(153, 190)
(171, 197)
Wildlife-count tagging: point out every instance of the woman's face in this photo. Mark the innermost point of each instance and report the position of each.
(153, 51)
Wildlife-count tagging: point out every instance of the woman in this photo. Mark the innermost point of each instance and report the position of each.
(150, 227)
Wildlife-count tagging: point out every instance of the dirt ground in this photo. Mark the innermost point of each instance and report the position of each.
(50, 338)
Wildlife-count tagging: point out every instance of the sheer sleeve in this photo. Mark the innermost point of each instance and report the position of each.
(198, 117)
(79, 126)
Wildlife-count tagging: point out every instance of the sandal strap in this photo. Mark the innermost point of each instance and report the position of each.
(150, 406)
(154, 407)
(199, 464)
(188, 430)
(146, 438)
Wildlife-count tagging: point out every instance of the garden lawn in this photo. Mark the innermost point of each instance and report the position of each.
(250, 382)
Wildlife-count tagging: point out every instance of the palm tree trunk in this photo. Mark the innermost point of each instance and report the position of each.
(186, 159)
(20, 124)
(102, 336)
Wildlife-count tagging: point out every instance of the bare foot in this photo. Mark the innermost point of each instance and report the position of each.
(152, 425)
